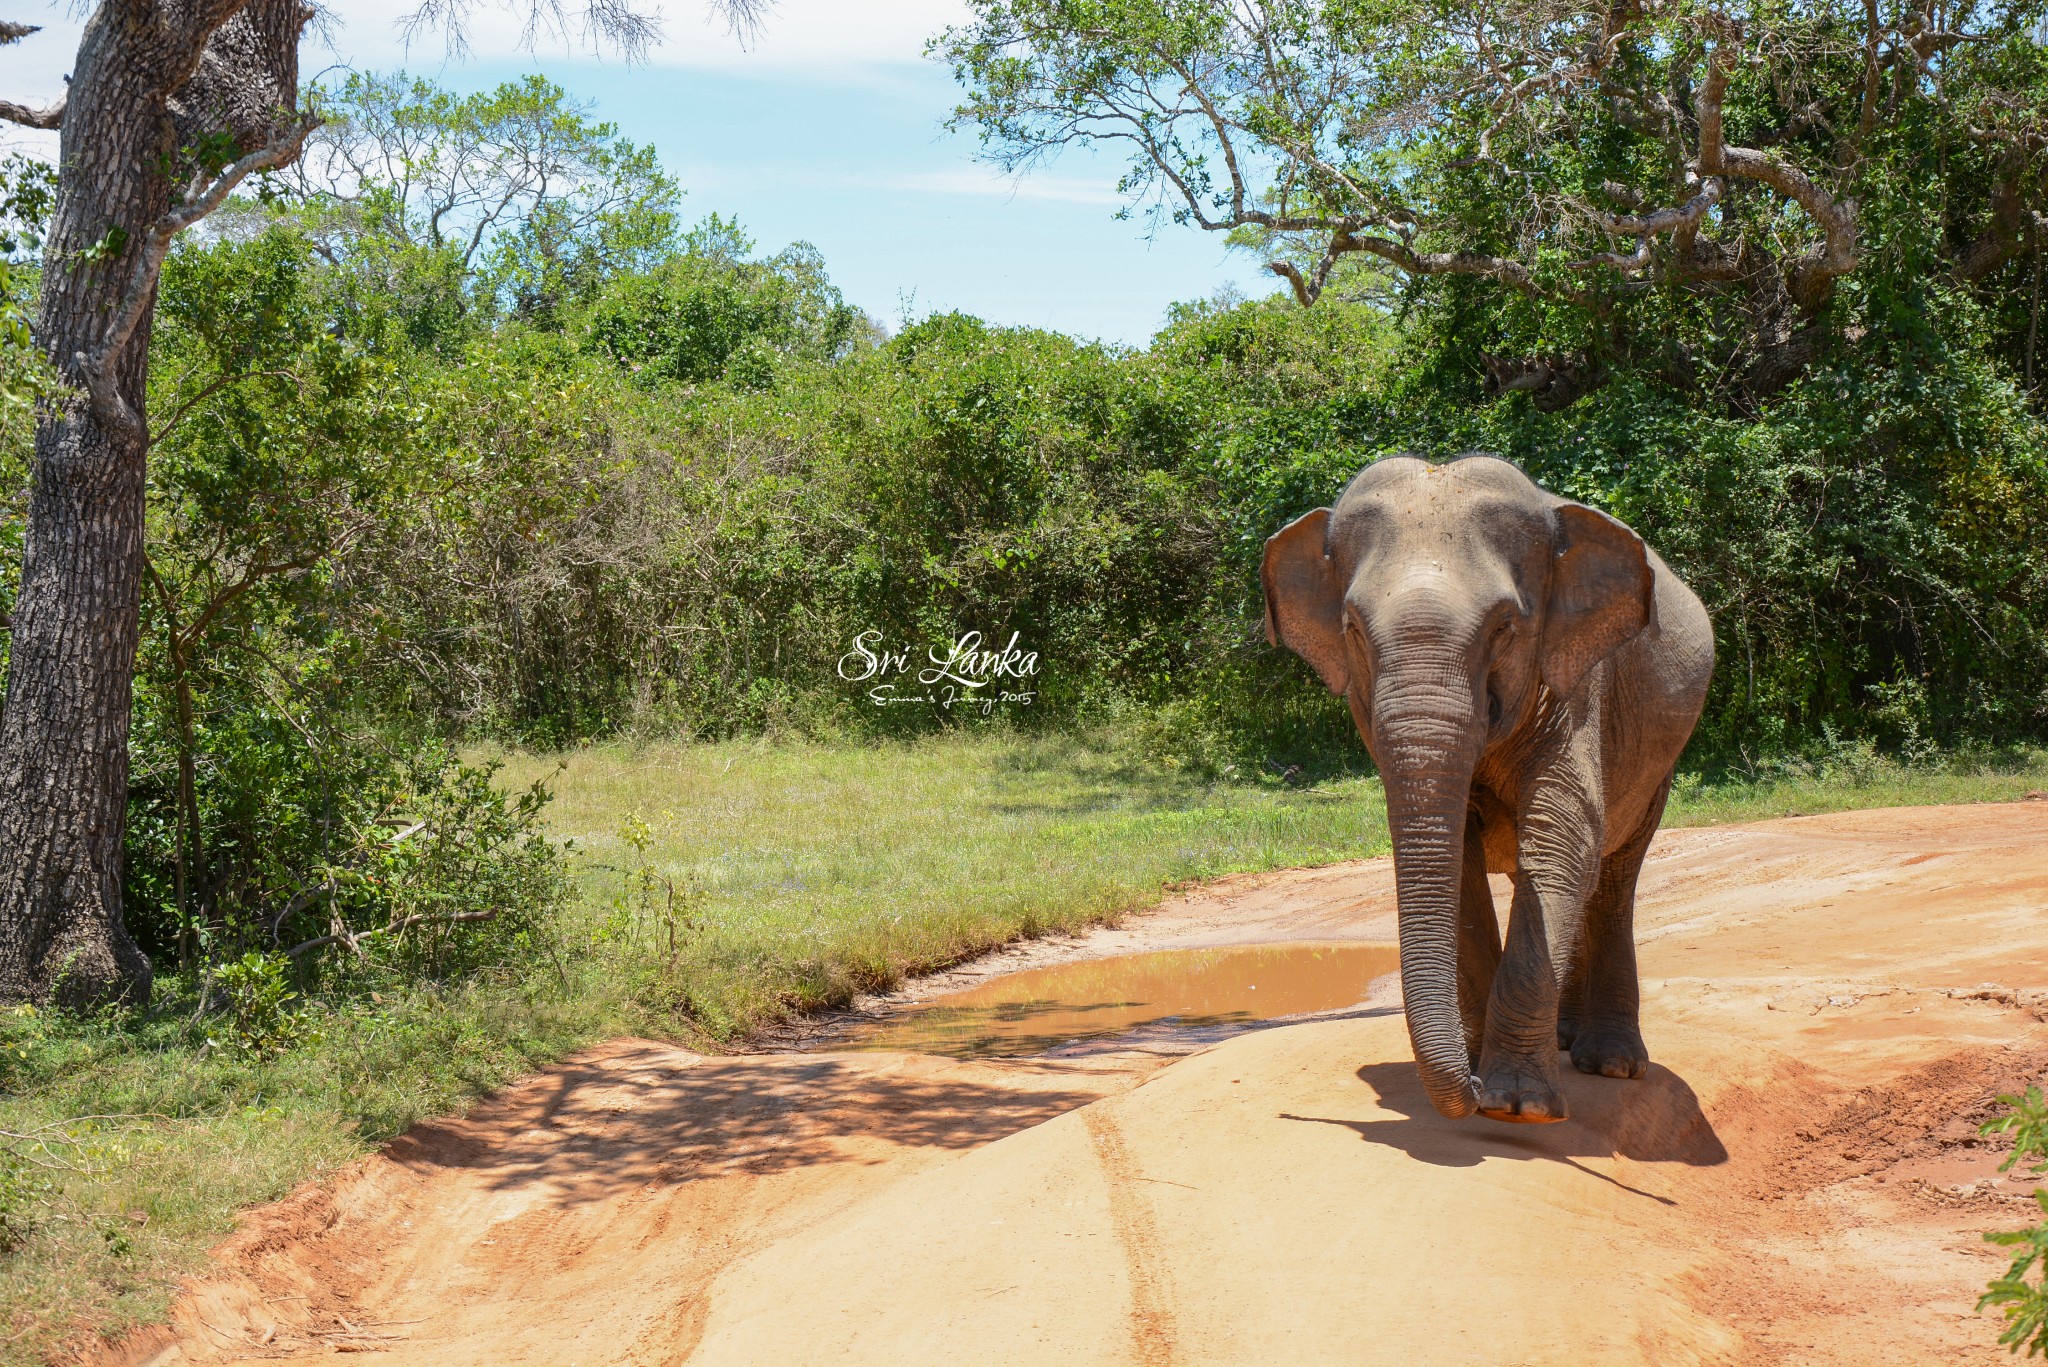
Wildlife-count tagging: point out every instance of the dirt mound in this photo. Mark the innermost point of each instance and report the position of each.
(1832, 1003)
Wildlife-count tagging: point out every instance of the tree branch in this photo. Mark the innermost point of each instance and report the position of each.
(207, 391)
(1812, 276)
(107, 403)
(1682, 223)
(305, 898)
(51, 116)
(1552, 383)
(2002, 240)
(1309, 287)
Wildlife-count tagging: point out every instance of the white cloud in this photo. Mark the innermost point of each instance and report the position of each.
(828, 38)
(855, 41)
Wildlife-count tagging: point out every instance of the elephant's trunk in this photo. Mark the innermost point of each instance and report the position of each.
(1427, 731)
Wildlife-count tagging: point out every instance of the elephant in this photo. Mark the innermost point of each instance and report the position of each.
(1525, 672)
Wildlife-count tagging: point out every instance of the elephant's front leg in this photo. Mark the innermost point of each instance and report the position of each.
(1478, 939)
(1606, 1035)
(1558, 859)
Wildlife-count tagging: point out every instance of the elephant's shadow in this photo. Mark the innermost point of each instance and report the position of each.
(1656, 1119)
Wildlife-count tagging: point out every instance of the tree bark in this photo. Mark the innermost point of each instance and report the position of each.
(153, 83)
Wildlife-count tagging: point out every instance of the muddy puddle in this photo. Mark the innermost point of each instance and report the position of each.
(1043, 1008)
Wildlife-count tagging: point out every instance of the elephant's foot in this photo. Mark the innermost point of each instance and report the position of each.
(1610, 1051)
(1567, 1031)
(1520, 1095)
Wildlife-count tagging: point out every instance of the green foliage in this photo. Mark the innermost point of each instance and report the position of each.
(1870, 545)
(1539, 179)
(700, 557)
(23, 1029)
(2024, 1303)
(391, 499)
(712, 313)
(654, 920)
(270, 805)
(533, 203)
(1833, 432)
(449, 876)
(257, 1017)
(28, 190)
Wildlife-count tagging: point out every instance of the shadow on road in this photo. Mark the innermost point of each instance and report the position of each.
(647, 1114)
(1654, 1120)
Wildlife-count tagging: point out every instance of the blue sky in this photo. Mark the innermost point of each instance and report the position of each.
(826, 128)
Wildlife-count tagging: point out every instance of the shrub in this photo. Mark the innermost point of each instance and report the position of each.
(257, 996)
(2023, 1302)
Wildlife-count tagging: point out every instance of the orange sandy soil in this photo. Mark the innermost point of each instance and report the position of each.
(1832, 1002)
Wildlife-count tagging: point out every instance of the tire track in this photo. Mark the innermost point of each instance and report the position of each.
(1137, 1231)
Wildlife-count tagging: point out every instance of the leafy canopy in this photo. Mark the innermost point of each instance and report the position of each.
(1665, 186)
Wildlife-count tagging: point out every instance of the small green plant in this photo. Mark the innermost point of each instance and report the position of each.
(2024, 1302)
(259, 1019)
(109, 248)
(652, 899)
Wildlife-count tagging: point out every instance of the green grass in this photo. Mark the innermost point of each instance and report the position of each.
(816, 872)
(195, 1134)
(1855, 779)
(803, 873)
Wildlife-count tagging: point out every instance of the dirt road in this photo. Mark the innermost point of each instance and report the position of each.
(1832, 1003)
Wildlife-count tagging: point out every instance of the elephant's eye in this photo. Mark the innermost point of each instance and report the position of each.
(1492, 708)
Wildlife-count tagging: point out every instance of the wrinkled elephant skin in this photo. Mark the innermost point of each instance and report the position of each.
(1525, 672)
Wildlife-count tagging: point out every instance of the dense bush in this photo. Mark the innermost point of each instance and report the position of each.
(698, 559)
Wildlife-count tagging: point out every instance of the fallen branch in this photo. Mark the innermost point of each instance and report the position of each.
(306, 898)
(55, 1132)
(353, 938)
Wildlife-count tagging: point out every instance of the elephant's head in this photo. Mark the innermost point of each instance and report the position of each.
(1441, 601)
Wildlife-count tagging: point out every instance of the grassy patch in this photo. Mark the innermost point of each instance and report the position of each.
(185, 1135)
(801, 875)
(1854, 778)
(813, 873)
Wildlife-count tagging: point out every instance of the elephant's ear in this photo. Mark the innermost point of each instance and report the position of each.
(1601, 594)
(1305, 598)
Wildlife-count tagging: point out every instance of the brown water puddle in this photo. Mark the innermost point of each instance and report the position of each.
(1030, 1012)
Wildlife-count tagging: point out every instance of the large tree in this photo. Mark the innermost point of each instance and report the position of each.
(1663, 183)
(171, 105)
(518, 184)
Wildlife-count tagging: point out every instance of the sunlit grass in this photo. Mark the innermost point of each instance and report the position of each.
(815, 872)
(1856, 779)
(193, 1135)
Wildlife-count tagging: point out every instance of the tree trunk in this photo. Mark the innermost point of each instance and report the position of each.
(64, 734)
(151, 82)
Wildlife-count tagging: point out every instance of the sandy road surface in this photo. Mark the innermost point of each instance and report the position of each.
(1832, 1002)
